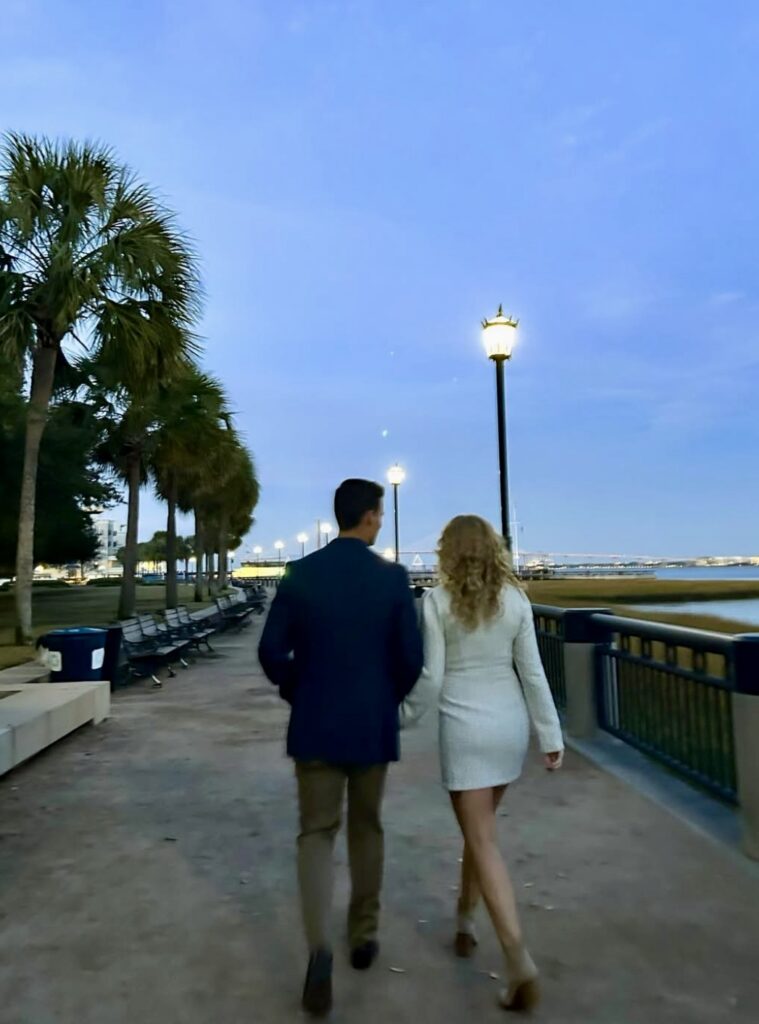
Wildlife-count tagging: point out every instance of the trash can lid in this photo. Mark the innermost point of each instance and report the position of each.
(74, 630)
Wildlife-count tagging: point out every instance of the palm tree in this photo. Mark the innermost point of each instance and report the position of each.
(202, 498)
(88, 255)
(236, 499)
(194, 417)
(185, 551)
(226, 490)
(128, 450)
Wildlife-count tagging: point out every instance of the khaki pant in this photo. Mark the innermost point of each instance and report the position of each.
(321, 791)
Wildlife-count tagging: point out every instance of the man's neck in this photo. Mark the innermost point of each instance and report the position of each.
(354, 535)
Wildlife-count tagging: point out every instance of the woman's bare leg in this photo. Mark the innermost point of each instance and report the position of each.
(475, 811)
(470, 893)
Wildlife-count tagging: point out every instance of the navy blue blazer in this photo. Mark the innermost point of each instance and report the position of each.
(342, 643)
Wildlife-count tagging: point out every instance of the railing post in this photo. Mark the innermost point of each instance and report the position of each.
(582, 637)
(746, 734)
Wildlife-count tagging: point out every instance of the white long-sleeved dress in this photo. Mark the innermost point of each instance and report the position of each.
(485, 707)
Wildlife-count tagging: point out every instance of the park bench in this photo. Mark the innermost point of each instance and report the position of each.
(183, 626)
(147, 654)
(161, 633)
(255, 597)
(233, 613)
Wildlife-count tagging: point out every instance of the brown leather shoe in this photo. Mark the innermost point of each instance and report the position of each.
(465, 945)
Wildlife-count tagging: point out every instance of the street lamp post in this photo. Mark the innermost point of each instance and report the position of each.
(396, 475)
(302, 539)
(258, 551)
(499, 336)
(326, 529)
(279, 545)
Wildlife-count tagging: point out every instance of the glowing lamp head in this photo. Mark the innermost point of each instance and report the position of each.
(396, 475)
(499, 335)
(326, 529)
(279, 545)
(302, 538)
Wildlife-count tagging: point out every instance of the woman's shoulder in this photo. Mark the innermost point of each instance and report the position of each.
(437, 597)
(515, 600)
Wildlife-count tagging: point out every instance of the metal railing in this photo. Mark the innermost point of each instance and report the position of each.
(549, 627)
(667, 691)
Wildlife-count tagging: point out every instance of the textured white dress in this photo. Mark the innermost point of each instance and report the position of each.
(485, 707)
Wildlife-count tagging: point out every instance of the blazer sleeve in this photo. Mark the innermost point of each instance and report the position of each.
(275, 649)
(426, 693)
(407, 641)
(537, 692)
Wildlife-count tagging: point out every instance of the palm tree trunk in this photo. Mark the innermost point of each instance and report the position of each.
(172, 589)
(128, 596)
(186, 568)
(199, 548)
(223, 545)
(209, 573)
(43, 376)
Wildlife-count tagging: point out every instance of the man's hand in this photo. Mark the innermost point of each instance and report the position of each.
(554, 761)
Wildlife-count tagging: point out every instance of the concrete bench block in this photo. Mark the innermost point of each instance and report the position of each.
(6, 749)
(34, 715)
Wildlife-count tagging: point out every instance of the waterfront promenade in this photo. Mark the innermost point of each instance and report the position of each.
(147, 874)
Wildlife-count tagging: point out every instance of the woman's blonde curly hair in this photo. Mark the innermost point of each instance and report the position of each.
(474, 567)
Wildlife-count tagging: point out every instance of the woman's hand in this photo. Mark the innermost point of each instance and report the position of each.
(554, 761)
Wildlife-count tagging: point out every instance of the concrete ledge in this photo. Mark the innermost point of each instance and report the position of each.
(35, 715)
(29, 672)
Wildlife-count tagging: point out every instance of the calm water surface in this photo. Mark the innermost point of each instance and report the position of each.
(741, 611)
(731, 572)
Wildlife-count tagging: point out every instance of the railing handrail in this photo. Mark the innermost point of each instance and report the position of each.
(675, 636)
(689, 712)
(550, 611)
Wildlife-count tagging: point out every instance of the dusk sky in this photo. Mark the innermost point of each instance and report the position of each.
(366, 179)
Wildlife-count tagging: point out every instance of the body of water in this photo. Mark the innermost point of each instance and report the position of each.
(740, 611)
(729, 572)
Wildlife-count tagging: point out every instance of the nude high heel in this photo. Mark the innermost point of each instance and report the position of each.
(466, 937)
(522, 994)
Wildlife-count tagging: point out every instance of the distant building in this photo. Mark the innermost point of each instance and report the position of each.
(111, 536)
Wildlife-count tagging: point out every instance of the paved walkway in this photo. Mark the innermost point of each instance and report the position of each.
(146, 875)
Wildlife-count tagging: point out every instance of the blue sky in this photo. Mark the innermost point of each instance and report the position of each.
(366, 179)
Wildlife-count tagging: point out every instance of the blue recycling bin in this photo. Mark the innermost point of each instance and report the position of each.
(73, 655)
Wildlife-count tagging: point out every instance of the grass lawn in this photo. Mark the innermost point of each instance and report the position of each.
(75, 606)
(96, 606)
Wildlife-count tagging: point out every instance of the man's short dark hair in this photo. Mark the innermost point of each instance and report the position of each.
(353, 499)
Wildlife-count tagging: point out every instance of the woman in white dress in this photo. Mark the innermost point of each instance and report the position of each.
(478, 627)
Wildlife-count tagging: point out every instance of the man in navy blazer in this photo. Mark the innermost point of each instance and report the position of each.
(342, 643)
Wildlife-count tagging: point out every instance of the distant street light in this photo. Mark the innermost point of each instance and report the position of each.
(499, 336)
(258, 551)
(389, 554)
(302, 540)
(280, 546)
(396, 475)
(326, 529)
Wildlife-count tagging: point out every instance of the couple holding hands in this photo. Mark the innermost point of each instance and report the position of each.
(344, 644)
